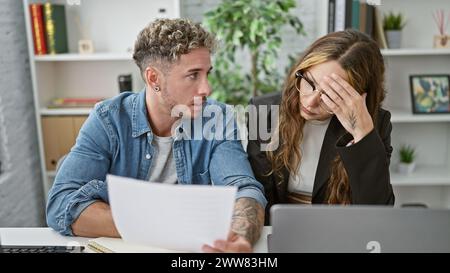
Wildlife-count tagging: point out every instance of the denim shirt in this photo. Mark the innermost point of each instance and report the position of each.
(117, 139)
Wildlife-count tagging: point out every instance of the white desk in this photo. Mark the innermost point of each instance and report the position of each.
(47, 236)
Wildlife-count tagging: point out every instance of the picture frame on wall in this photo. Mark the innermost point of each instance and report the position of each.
(430, 94)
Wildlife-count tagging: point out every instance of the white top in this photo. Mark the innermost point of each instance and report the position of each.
(313, 134)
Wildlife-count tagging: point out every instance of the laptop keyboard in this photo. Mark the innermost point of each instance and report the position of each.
(41, 249)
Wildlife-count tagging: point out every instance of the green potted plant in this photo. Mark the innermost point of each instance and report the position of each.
(393, 24)
(407, 162)
(250, 33)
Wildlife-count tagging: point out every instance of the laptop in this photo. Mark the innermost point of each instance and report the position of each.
(299, 228)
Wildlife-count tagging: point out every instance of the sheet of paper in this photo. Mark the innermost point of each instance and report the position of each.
(179, 217)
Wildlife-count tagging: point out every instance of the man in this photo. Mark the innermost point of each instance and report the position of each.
(131, 135)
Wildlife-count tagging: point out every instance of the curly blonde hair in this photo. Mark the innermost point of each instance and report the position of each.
(164, 40)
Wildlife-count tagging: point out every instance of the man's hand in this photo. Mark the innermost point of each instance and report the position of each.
(234, 243)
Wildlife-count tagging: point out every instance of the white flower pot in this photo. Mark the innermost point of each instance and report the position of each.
(394, 38)
(406, 168)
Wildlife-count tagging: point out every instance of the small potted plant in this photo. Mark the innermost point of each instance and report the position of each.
(393, 25)
(407, 162)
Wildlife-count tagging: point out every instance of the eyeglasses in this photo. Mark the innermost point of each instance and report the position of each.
(306, 87)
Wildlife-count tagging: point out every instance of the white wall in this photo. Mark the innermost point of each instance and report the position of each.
(21, 193)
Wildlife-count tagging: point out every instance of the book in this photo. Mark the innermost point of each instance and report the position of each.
(331, 12)
(37, 27)
(362, 17)
(55, 28)
(355, 14)
(74, 102)
(379, 35)
(348, 13)
(117, 245)
(339, 15)
(370, 20)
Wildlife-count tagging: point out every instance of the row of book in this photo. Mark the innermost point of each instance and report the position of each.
(48, 24)
(357, 14)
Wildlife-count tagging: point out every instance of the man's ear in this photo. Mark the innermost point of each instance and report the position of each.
(153, 77)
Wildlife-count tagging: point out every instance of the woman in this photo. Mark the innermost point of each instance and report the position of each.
(331, 144)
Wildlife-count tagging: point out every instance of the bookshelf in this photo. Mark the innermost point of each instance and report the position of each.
(429, 133)
(112, 26)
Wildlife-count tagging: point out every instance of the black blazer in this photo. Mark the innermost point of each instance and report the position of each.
(366, 162)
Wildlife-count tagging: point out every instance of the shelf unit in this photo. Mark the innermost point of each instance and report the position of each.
(429, 133)
(89, 75)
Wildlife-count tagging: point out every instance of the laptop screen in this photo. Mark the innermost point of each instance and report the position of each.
(299, 228)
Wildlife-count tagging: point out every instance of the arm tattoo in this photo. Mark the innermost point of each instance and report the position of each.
(352, 120)
(248, 219)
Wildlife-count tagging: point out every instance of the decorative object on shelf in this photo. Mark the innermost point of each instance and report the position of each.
(85, 47)
(442, 40)
(85, 44)
(430, 93)
(254, 26)
(125, 83)
(393, 25)
(407, 163)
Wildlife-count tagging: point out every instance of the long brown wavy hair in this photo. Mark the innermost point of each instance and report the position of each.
(361, 59)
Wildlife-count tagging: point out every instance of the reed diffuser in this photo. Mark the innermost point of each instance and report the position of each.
(442, 40)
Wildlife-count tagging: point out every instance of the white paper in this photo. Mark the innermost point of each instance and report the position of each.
(179, 217)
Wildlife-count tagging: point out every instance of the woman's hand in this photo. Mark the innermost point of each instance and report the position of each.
(348, 106)
(235, 243)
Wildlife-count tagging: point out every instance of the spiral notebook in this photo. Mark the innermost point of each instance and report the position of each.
(116, 245)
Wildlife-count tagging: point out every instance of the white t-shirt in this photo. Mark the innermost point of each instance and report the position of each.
(313, 134)
(163, 168)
